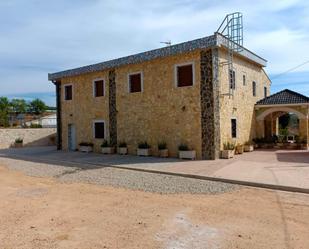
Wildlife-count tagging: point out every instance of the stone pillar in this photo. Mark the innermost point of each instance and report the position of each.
(112, 108)
(260, 128)
(210, 115)
(59, 121)
(303, 128)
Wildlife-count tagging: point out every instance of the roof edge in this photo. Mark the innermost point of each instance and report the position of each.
(215, 40)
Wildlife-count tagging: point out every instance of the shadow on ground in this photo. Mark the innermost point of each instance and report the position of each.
(50, 155)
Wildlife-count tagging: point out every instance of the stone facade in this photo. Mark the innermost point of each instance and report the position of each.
(240, 106)
(198, 115)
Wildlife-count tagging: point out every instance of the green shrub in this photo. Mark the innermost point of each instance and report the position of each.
(35, 126)
(144, 145)
(86, 144)
(19, 140)
(183, 147)
(162, 146)
(105, 144)
(122, 144)
(228, 146)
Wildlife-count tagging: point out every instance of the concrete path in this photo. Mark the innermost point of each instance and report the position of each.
(286, 170)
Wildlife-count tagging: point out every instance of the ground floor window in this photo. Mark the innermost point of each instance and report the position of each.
(234, 127)
(99, 129)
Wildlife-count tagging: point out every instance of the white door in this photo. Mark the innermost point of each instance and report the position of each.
(71, 137)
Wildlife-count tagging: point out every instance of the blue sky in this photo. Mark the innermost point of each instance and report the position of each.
(38, 37)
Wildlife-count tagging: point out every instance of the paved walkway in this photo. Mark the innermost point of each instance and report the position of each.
(265, 167)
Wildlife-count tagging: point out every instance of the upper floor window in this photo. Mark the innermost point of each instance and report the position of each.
(265, 91)
(232, 78)
(98, 88)
(244, 79)
(135, 82)
(99, 129)
(184, 75)
(254, 88)
(68, 92)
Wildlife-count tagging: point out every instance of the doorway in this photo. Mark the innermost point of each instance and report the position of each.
(71, 137)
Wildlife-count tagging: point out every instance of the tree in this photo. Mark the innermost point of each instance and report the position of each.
(4, 104)
(4, 110)
(37, 106)
(19, 106)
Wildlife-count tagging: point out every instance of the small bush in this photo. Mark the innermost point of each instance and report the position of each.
(144, 145)
(162, 146)
(35, 126)
(86, 144)
(105, 144)
(248, 143)
(122, 145)
(228, 146)
(19, 140)
(183, 147)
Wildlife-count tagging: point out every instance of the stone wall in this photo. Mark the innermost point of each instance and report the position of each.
(162, 112)
(241, 104)
(84, 108)
(209, 106)
(31, 137)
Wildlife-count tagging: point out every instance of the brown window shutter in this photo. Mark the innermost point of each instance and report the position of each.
(184, 75)
(68, 92)
(99, 88)
(135, 83)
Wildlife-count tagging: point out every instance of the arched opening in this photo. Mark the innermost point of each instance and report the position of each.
(282, 126)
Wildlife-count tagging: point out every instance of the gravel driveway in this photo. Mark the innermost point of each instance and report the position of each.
(150, 182)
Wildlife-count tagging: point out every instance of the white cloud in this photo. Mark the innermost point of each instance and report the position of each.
(57, 35)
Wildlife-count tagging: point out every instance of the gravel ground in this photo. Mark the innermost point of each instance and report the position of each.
(123, 178)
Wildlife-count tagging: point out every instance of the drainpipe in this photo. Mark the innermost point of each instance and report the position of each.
(59, 122)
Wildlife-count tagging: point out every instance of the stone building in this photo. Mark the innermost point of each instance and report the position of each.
(180, 94)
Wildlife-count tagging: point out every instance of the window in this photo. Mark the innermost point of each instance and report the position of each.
(232, 78)
(68, 92)
(234, 127)
(265, 91)
(254, 88)
(99, 129)
(244, 80)
(184, 75)
(98, 88)
(135, 83)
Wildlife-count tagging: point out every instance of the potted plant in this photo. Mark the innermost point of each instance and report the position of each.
(19, 142)
(248, 147)
(185, 152)
(239, 149)
(257, 142)
(143, 149)
(107, 148)
(228, 150)
(122, 148)
(163, 151)
(85, 147)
